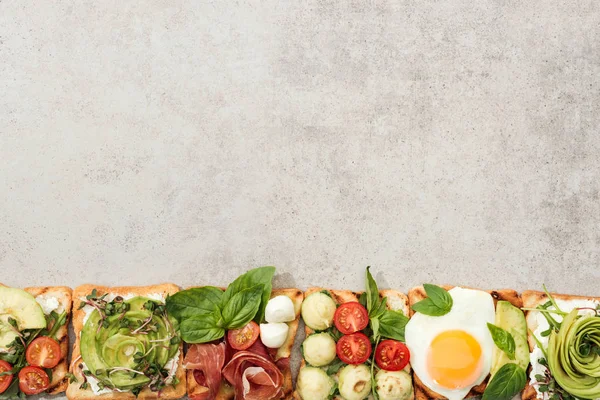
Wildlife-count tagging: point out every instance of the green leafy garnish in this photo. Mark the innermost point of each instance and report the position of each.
(503, 340)
(392, 324)
(437, 303)
(508, 381)
(334, 366)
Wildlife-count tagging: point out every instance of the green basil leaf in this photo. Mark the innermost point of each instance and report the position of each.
(508, 381)
(202, 329)
(392, 324)
(372, 294)
(257, 276)
(334, 366)
(194, 302)
(437, 303)
(242, 307)
(503, 340)
(375, 326)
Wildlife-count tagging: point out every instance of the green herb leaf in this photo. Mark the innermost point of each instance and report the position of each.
(508, 381)
(375, 326)
(503, 340)
(258, 276)
(392, 324)
(242, 307)
(194, 302)
(201, 329)
(372, 293)
(437, 303)
(335, 366)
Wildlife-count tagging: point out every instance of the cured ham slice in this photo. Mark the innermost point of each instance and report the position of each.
(207, 361)
(254, 377)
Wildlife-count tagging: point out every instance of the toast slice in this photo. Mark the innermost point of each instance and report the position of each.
(417, 294)
(74, 392)
(226, 391)
(64, 296)
(397, 301)
(532, 299)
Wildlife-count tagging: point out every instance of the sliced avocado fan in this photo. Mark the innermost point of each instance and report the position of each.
(573, 356)
(119, 353)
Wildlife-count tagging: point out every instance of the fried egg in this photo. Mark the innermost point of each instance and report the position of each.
(452, 353)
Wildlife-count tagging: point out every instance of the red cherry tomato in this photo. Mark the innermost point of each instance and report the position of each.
(43, 352)
(354, 348)
(5, 380)
(351, 317)
(33, 380)
(392, 355)
(241, 339)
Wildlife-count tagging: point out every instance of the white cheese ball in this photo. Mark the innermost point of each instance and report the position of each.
(280, 309)
(274, 335)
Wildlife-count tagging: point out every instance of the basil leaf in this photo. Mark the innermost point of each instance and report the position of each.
(194, 302)
(372, 294)
(242, 307)
(503, 340)
(437, 303)
(392, 324)
(258, 276)
(202, 329)
(375, 326)
(508, 381)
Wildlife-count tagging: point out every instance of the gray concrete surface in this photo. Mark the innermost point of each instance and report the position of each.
(438, 141)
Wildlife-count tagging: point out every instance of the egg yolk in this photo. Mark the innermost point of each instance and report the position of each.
(454, 359)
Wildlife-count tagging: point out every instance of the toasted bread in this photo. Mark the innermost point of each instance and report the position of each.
(397, 301)
(417, 294)
(74, 392)
(226, 392)
(532, 299)
(64, 296)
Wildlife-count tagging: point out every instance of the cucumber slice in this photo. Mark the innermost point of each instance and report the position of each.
(512, 320)
(314, 384)
(319, 349)
(318, 310)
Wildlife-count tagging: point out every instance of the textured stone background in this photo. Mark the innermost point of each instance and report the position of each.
(450, 141)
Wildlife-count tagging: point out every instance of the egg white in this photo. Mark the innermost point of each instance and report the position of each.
(471, 311)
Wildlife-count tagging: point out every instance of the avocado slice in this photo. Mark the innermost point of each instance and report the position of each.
(22, 307)
(512, 320)
(110, 352)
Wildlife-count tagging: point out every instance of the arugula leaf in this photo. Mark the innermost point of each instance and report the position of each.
(437, 303)
(508, 381)
(392, 324)
(335, 366)
(242, 307)
(503, 340)
(194, 302)
(201, 329)
(258, 276)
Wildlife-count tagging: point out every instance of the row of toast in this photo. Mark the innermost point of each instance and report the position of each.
(437, 342)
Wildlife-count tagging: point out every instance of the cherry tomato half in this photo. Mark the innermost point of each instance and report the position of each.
(5, 380)
(241, 339)
(43, 352)
(354, 348)
(351, 317)
(33, 380)
(392, 355)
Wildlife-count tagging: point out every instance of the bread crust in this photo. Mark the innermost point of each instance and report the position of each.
(73, 390)
(64, 296)
(397, 301)
(532, 299)
(226, 391)
(417, 294)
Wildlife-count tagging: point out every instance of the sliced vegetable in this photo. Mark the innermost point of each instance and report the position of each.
(355, 382)
(33, 380)
(393, 385)
(318, 310)
(512, 320)
(314, 384)
(354, 348)
(319, 349)
(5, 380)
(392, 355)
(351, 317)
(243, 338)
(43, 352)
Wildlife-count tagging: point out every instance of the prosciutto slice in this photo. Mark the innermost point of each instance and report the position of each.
(254, 377)
(207, 362)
